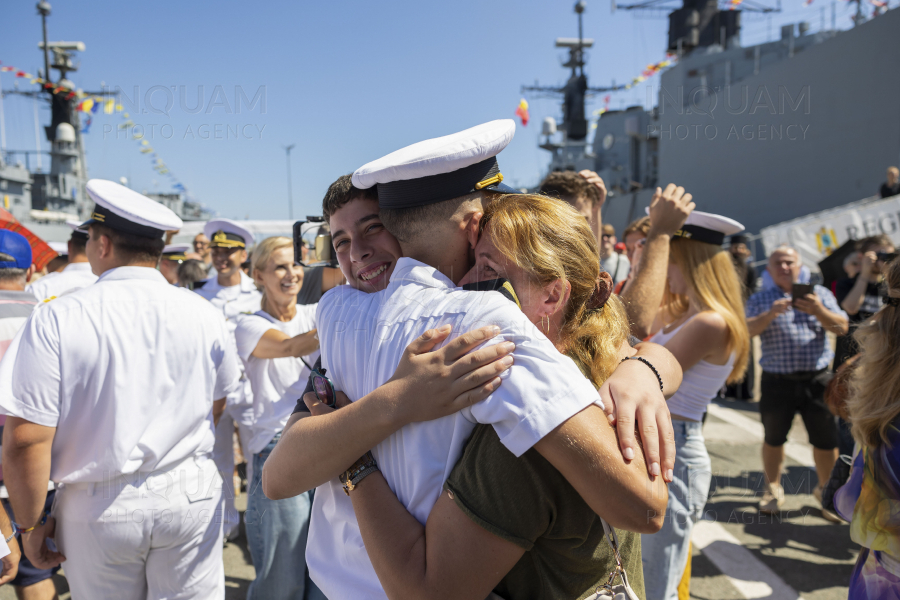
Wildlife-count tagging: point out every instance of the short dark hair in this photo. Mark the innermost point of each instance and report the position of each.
(407, 224)
(132, 248)
(79, 244)
(874, 241)
(191, 271)
(343, 191)
(641, 225)
(569, 186)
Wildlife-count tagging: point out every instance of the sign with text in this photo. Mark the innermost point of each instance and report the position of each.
(817, 235)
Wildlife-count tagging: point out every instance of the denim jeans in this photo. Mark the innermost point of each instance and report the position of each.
(276, 537)
(665, 553)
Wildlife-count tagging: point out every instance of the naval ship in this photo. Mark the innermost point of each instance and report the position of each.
(762, 134)
(43, 201)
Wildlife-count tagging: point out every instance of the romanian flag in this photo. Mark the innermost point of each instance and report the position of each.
(522, 111)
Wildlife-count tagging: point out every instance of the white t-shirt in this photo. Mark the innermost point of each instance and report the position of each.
(127, 370)
(73, 277)
(277, 383)
(362, 339)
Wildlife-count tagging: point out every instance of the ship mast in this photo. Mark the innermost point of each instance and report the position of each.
(575, 90)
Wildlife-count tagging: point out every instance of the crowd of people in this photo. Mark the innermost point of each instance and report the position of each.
(490, 395)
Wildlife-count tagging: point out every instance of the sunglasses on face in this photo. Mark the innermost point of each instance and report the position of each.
(886, 256)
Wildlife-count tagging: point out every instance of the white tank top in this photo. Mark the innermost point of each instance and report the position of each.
(700, 383)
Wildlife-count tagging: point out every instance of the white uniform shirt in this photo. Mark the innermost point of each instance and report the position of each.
(277, 383)
(362, 337)
(73, 277)
(234, 299)
(127, 370)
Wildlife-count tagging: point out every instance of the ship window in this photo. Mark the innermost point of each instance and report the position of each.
(692, 73)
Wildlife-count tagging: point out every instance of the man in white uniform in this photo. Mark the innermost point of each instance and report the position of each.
(74, 276)
(232, 292)
(363, 337)
(114, 395)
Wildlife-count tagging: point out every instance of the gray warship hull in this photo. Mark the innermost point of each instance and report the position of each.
(762, 134)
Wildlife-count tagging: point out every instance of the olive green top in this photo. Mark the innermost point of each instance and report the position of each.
(529, 503)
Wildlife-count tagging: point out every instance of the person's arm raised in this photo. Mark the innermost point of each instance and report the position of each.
(668, 211)
(277, 344)
(831, 318)
(756, 325)
(426, 385)
(854, 299)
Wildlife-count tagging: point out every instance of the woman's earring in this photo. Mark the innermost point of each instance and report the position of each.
(547, 326)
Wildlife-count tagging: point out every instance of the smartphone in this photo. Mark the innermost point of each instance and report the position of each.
(323, 387)
(800, 290)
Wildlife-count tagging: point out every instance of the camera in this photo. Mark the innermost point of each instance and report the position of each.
(314, 236)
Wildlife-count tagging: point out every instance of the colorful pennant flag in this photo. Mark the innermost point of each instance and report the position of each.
(522, 111)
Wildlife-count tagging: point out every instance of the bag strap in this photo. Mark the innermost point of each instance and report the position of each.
(613, 540)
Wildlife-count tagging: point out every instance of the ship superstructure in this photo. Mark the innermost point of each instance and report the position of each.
(763, 133)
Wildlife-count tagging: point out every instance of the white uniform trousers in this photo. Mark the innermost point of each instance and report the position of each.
(144, 536)
(223, 456)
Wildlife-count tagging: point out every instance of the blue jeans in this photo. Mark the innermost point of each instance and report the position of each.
(665, 553)
(276, 537)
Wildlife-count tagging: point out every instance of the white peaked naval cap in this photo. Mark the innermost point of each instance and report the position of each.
(707, 227)
(441, 168)
(60, 248)
(125, 210)
(226, 233)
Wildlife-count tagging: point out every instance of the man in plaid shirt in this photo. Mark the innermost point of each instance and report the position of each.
(795, 356)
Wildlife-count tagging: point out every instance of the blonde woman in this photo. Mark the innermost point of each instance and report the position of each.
(276, 344)
(703, 325)
(515, 525)
(870, 500)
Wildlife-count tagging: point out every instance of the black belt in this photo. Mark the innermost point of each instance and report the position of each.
(795, 376)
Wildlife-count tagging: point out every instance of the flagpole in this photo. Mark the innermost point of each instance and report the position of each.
(287, 150)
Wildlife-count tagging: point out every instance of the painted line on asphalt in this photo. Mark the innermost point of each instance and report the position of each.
(800, 452)
(749, 576)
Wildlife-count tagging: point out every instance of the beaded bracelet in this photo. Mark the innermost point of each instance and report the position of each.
(18, 528)
(15, 530)
(652, 368)
(361, 469)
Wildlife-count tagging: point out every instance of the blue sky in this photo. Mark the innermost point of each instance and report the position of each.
(345, 81)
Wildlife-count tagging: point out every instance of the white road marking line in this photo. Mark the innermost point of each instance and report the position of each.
(750, 577)
(797, 451)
